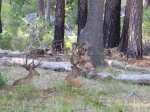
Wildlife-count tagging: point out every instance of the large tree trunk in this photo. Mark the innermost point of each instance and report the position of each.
(134, 49)
(82, 15)
(58, 42)
(112, 23)
(0, 17)
(124, 36)
(41, 8)
(93, 31)
(48, 10)
(146, 3)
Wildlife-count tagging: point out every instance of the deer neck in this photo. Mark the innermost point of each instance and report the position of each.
(30, 75)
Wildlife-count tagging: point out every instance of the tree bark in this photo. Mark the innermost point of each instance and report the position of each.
(134, 49)
(48, 10)
(41, 8)
(124, 35)
(82, 16)
(0, 17)
(58, 42)
(93, 32)
(146, 3)
(112, 23)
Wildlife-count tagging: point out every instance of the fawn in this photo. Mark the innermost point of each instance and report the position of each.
(72, 78)
(31, 74)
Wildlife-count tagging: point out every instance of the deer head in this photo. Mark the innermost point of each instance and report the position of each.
(31, 67)
(80, 59)
(32, 72)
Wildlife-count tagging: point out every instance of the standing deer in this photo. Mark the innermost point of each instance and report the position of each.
(32, 72)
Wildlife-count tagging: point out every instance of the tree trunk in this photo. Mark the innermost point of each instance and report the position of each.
(58, 42)
(48, 10)
(93, 31)
(146, 3)
(0, 17)
(41, 8)
(124, 36)
(82, 15)
(134, 49)
(112, 23)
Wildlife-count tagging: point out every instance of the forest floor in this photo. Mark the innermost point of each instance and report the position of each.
(50, 93)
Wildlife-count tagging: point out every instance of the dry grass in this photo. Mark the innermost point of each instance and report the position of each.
(49, 92)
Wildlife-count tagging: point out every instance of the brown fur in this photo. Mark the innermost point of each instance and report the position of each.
(139, 63)
(26, 80)
(31, 74)
(39, 52)
(112, 53)
(86, 65)
(79, 60)
(73, 81)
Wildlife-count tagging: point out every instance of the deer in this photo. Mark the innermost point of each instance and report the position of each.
(80, 57)
(72, 79)
(139, 63)
(38, 52)
(32, 72)
(112, 53)
(80, 61)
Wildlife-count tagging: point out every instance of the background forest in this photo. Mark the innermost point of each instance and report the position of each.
(20, 24)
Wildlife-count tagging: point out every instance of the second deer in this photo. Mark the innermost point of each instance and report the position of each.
(72, 78)
(80, 62)
(32, 72)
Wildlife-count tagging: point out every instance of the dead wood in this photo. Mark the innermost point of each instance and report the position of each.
(143, 79)
(44, 64)
(126, 66)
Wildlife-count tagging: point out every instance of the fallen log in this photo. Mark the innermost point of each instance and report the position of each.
(44, 64)
(9, 53)
(133, 78)
(143, 79)
(126, 66)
